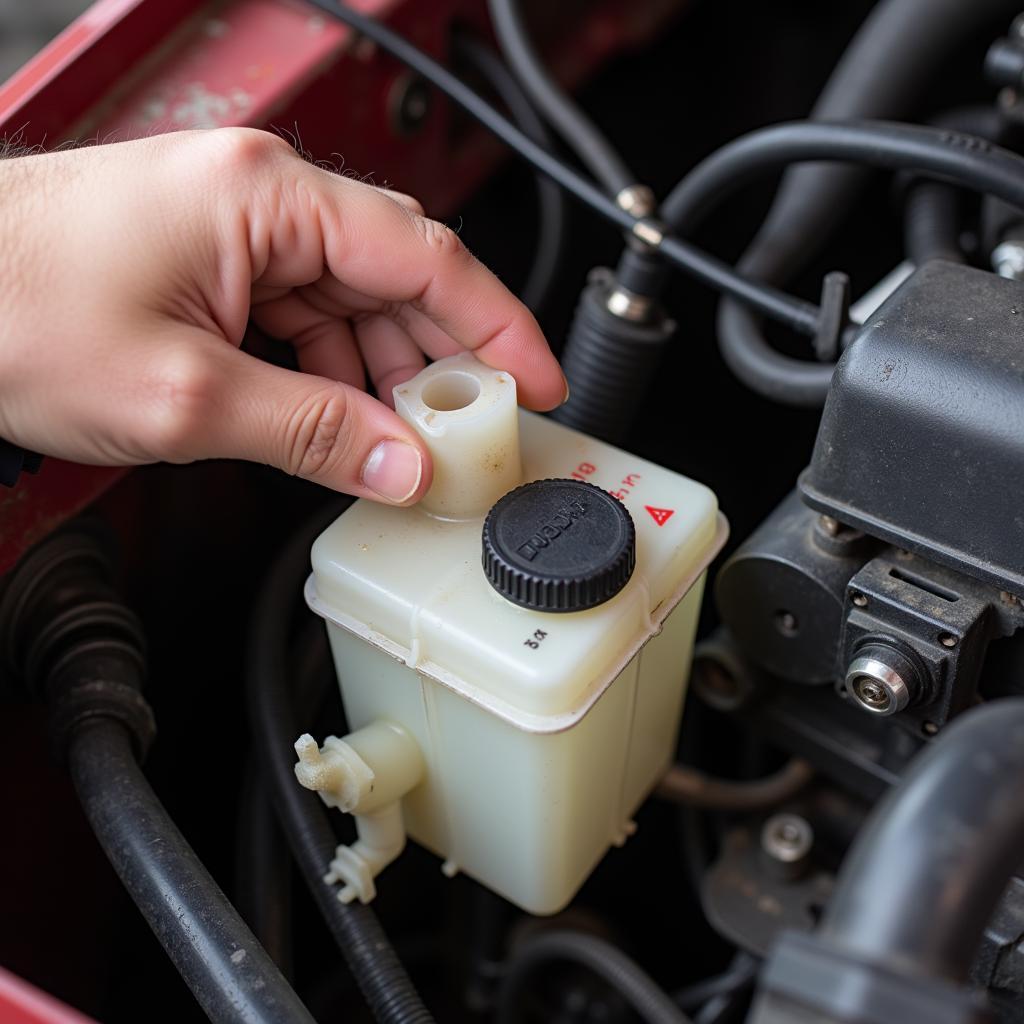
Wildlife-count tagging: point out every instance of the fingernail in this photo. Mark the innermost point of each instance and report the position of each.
(565, 381)
(393, 470)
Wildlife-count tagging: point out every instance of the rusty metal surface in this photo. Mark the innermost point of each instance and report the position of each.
(130, 68)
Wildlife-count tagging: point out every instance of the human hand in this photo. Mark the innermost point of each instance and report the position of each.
(129, 273)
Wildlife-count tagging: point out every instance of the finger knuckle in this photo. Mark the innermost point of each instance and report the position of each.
(184, 388)
(317, 438)
(235, 151)
(440, 238)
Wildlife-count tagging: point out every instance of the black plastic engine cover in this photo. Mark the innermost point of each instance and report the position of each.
(922, 439)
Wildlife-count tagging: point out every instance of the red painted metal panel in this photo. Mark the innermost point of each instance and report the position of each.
(21, 1003)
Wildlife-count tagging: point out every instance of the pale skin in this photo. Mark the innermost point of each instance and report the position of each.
(130, 271)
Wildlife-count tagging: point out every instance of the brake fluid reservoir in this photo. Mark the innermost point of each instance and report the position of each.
(524, 634)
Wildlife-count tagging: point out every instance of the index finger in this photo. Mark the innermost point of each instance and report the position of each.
(396, 256)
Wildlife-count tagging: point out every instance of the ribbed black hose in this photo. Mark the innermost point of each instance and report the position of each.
(609, 363)
(377, 970)
(594, 151)
(926, 872)
(651, 1003)
(219, 959)
(552, 212)
(885, 72)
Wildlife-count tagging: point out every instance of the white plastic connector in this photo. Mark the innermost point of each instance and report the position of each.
(366, 774)
(466, 412)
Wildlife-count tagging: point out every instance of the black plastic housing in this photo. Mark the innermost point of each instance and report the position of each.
(922, 439)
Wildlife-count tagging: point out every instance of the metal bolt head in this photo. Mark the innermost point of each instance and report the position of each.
(637, 200)
(859, 600)
(1008, 259)
(787, 838)
(877, 686)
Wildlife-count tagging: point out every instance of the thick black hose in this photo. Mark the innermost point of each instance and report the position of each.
(263, 861)
(217, 956)
(800, 316)
(884, 73)
(965, 160)
(931, 223)
(590, 146)
(925, 874)
(376, 968)
(932, 209)
(651, 1003)
(551, 206)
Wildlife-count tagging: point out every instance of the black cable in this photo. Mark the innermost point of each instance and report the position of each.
(799, 315)
(885, 72)
(551, 206)
(582, 135)
(371, 958)
(924, 875)
(217, 956)
(651, 1003)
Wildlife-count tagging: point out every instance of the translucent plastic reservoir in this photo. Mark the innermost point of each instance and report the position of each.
(540, 732)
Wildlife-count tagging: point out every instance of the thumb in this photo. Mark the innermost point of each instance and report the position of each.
(312, 427)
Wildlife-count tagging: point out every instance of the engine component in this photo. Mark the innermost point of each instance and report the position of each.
(584, 703)
(898, 938)
(781, 594)
(921, 405)
(915, 636)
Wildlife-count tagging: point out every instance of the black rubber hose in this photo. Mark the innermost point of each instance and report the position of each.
(927, 870)
(951, 156)
(552, 214)
(594, 151)
(651, 1003)
(932, 209)
(884, 72)
(931, 223)
(217, 956)
(377, 970)
(263, 860)
(962, 159)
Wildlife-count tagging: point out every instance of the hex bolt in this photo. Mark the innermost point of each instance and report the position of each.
(786, 841)
(1008, 259)
(881, 680)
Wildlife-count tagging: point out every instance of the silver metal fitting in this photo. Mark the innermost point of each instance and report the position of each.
(638, 200)
(786, 839)
(650, 232)
(1008, 259)
(876, 686)
(629, 306)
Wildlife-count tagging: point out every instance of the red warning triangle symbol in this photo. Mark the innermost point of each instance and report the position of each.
(660, 515)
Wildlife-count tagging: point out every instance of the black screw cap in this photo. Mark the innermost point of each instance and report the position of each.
(558, 546)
